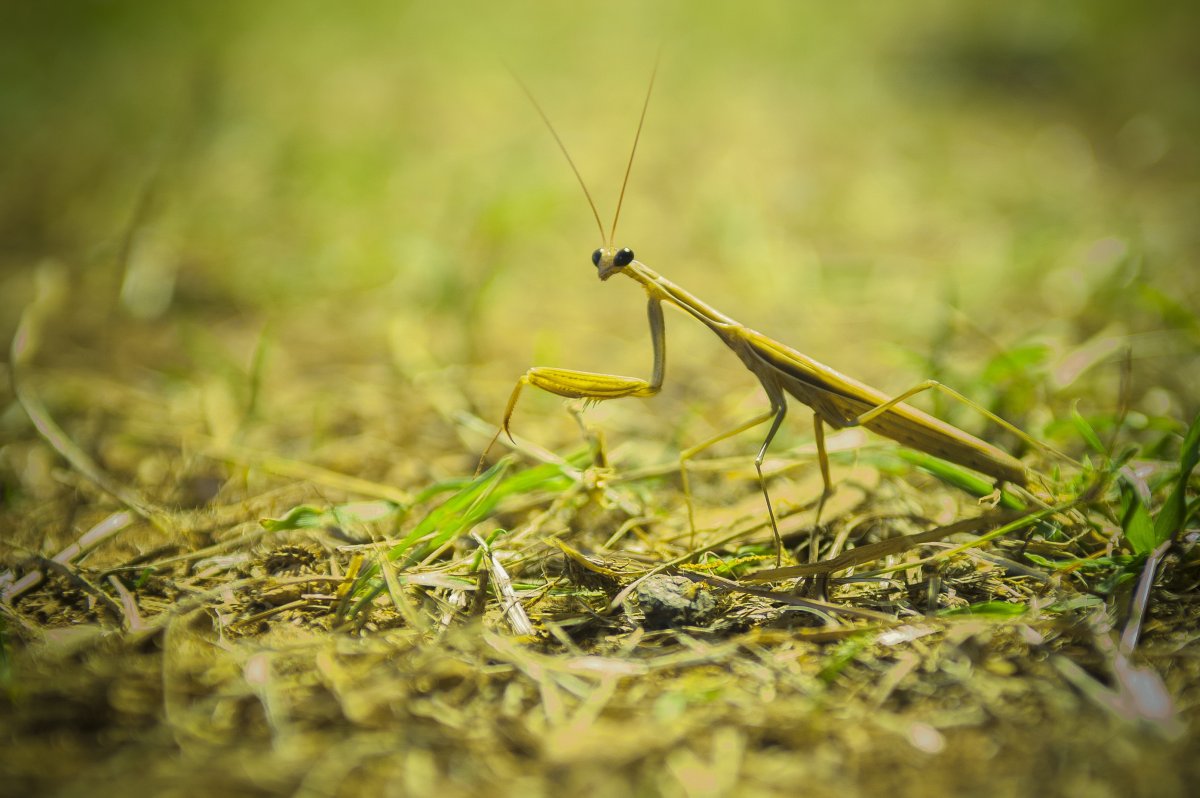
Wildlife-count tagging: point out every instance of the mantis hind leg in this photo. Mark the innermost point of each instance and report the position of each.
(927, 385)
(826, 483)
(780, 411)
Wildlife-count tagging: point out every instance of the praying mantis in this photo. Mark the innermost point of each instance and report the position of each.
(836, 400)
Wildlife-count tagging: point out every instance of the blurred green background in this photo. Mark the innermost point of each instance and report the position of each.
(1002, 196)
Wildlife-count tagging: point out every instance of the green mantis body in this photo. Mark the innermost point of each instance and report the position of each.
(836, 399)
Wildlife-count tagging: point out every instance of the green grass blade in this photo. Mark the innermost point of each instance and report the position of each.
(307, 516)
(958, 477)
(1171, 517)
(304, 516)
(1136, 521)
(452, 513)
(1086, 430)
(472, 503)
(991, 609)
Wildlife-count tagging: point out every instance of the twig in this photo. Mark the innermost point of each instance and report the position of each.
(822, 608)
(876, 551)
(133, 618)
(85, 543)
(84, 584)
(510, 604)
(1140, 602)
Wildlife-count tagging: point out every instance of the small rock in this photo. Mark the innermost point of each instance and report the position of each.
(670, 601)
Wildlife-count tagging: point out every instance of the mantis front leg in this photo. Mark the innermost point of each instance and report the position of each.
(589, 385)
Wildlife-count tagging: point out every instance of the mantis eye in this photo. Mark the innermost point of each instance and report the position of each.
(596, 258)
(624, 257)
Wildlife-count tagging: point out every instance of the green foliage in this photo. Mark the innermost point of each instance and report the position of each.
(1075, 603)
(959, 477)
(472, 503)
(990, 609)
(351, 515)
(1086, 431)
(1016, 364)
(475, 500)
(746, 560)
(1175, 511)
(841, 656)
(1082, 563)
(1136, 521)
(1145, 532)
(1105, 573)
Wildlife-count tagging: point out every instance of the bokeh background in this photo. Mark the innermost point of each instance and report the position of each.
(355, 204)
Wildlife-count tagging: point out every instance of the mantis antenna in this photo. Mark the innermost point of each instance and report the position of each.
(636, 137)
(567, 155)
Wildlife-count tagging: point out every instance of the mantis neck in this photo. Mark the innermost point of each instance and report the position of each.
(660, 286)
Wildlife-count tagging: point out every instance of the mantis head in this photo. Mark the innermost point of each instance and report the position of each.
(610, 260)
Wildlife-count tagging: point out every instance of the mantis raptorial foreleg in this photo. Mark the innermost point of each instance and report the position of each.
(593, 386)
